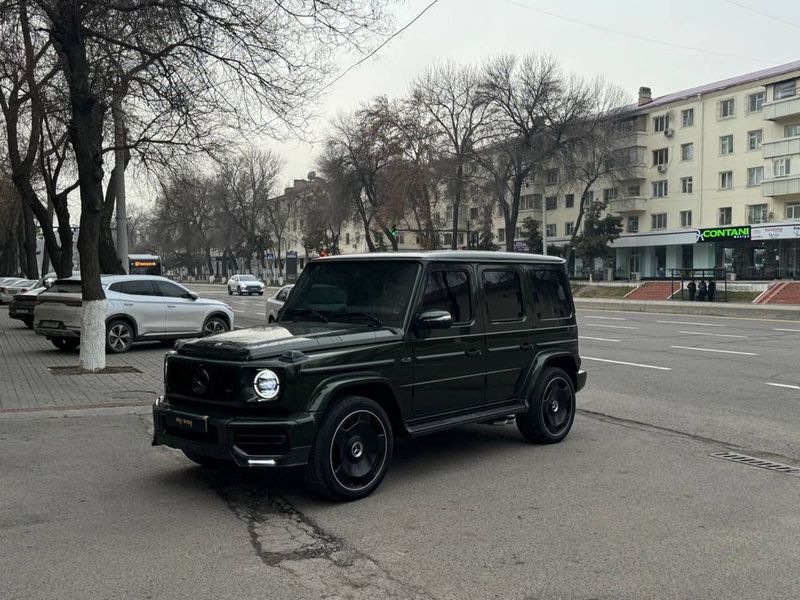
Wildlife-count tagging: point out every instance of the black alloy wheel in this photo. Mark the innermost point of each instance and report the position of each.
(63, 343)
(119, 337)
(551, 411)
(352, 451)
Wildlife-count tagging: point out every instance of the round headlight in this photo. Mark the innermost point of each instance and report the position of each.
(266, 384)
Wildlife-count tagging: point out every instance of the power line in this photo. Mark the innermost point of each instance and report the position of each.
(637, 37)
(764, 14)
(386, 41)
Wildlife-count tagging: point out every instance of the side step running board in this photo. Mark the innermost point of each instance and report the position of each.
(498, 413)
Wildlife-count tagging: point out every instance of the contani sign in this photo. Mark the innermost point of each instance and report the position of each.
(723, 233)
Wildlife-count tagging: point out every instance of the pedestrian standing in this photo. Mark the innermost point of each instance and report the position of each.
(692, 287)
(712, 287)
(702, 290)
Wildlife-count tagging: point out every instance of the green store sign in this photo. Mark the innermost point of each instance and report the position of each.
(714, 234)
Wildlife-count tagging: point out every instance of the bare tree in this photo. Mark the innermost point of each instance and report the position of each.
(449, 95)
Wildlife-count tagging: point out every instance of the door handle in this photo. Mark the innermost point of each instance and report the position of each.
(472, 352)
(127, 303)
(170, 305)
(526, 346)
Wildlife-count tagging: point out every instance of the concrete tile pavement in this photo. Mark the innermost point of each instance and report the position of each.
(26, 383)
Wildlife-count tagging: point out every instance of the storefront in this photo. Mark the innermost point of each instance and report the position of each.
(756, 251)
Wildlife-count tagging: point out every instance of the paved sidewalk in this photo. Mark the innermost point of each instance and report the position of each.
(26, 383)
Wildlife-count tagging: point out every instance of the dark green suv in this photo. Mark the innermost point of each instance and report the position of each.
(371, 347)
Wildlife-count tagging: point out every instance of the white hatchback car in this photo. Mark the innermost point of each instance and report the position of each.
(140, 307)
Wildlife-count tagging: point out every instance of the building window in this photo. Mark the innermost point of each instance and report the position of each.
(726, 108)
(755, 102)
(686, 218)
(755, 175)
(726, 144)
(518, 232)
(793, 211)
(609, 194)
(569, 200)
(569, 228)
(660, 156)
(590, 196)
(474, 211)
(551, 203)
(786, 89)
(757, 213)
(791, 130)
(659, 221)
(660, 123)
(725, 215)
(448, 239)
(687, 151)
(448, 214)
(633, 224)
(551, 176)
(686, 185)
(550, 229)
(634, 190)
(660, 188)
(528, 201)
(754, 140)
(501, 235)
(726, 180)
(781, 167)
(687, 117)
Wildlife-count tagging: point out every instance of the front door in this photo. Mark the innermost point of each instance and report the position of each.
(141, 300)
(183, 314)
(449, 363)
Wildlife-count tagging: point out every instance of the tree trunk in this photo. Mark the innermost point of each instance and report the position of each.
(45, 253)
(62, 262)
(30, 264)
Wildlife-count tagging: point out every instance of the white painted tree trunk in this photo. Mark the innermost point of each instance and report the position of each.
(93, 335)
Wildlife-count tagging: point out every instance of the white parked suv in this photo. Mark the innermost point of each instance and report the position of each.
(140, 307)
(245, 284)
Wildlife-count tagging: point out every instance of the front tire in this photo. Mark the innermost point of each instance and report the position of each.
(119, 337)
(551, 410)
(65, 344)
(352, 451)
(215, 325)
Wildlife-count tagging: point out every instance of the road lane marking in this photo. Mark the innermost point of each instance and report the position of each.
(608, 326)
(689, 323)
(713, 350)
(784, 385)
(727, 335)
(608, 318)
(630, 364)
(778, 329)
(586, 337)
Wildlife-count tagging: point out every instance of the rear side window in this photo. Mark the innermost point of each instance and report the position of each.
(65, 287)
(450, 291)
(137, 288)
(550, 293)
(503, 294)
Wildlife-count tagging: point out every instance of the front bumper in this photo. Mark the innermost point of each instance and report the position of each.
(580, 380)
(247, 441)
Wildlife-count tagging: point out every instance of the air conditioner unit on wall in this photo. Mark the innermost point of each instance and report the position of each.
(662, 168)
(669, 132)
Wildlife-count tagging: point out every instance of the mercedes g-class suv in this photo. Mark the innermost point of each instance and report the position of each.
(371, 347)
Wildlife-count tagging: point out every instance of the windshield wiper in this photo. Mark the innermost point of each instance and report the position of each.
(307, 311)
(358, 313)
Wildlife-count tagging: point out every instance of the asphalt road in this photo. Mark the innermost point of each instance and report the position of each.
(631, 505)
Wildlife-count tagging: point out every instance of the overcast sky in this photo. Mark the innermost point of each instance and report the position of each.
(736, 37)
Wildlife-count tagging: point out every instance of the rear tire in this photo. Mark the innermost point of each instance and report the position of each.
(119, 336)
(65, 344)
(28, 323)
(551, 409)
(230, 293)
(352, 451)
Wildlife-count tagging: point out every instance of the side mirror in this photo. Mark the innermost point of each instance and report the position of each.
(48, 282)
(434, 319)
(191, 296)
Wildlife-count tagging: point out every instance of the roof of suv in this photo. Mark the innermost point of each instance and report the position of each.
(452, 255)
(108, 279)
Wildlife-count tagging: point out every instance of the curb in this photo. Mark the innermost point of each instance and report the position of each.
(721, 309)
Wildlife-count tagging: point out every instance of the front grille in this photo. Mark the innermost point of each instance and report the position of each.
(204, 381)
(260, 440)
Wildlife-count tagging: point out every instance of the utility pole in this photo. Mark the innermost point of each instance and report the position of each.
(544, 226)
(119, 181)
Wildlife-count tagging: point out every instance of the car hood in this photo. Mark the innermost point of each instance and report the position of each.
(277, 339)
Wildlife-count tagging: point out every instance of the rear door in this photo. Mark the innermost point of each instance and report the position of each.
(448, 363)
(509, 331)
(184, 314)
(141, 301)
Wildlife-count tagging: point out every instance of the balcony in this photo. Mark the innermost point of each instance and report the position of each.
(781, 188)
(785, 108)
(782, 147)
(631, 204)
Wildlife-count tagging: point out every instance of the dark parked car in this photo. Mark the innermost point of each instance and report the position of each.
(371, 347)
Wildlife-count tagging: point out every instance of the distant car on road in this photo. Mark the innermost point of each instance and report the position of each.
(23, 305)
(245, 284)
(7, 292)
(275, 303)
(7, 282)
(140, 307)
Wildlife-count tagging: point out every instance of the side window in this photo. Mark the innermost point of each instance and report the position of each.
(116, 287)
(138, 288)
(503, 294)
(550, 293)
(450, 291)
(169, 290)
(282, 295)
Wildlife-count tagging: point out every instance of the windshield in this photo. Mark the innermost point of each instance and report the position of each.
(247, 278)
(369, 291)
